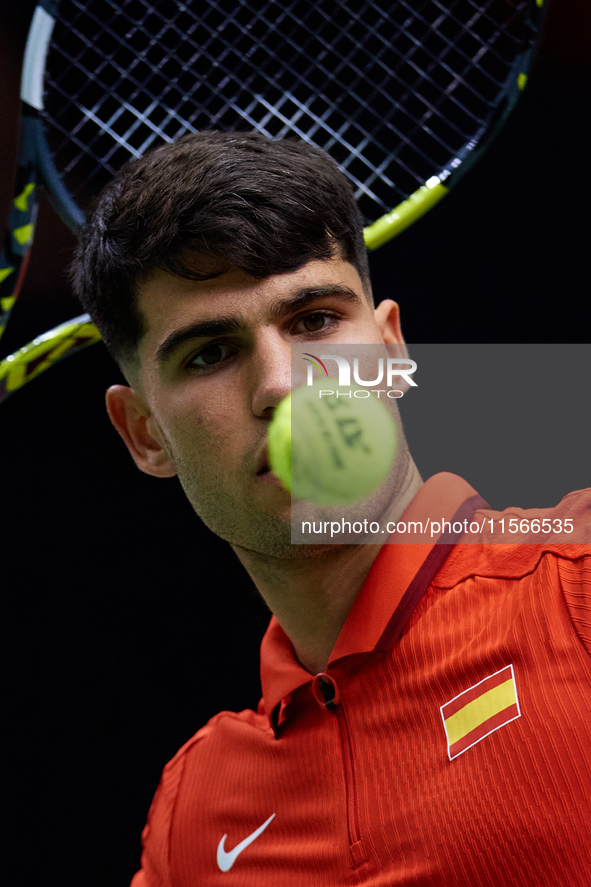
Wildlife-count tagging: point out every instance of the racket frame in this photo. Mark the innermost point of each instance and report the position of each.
(36, 167)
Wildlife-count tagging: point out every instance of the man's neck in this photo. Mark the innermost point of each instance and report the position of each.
(311, 596)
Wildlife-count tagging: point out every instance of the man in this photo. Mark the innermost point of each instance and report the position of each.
(426, 707)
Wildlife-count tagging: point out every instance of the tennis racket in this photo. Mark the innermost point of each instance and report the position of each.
(404, 94)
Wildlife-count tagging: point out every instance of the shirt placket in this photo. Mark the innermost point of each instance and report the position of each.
(328, 696)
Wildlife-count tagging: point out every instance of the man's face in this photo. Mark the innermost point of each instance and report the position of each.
(214, 363)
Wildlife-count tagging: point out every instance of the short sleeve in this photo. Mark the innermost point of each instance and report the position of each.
(155, 862)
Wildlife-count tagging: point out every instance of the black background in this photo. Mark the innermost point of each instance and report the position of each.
(127, 624)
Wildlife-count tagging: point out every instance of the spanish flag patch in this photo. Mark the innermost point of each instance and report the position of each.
(479, 711)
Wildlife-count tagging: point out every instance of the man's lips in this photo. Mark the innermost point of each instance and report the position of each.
(263, 466)
(265, 472)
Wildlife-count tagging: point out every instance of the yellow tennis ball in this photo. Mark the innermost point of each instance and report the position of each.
(333, 449)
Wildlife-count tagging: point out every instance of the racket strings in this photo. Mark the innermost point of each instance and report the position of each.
(393, 91)
(144, 146)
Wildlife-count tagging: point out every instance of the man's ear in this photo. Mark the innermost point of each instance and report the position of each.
(132, 418)
(387, 317)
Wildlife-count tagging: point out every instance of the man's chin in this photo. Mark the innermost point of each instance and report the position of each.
(270, 537)
(273, 525)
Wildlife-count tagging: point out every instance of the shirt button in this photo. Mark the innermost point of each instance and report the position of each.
(325, 690)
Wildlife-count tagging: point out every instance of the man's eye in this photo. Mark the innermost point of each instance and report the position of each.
(211, 355)
(318, 322)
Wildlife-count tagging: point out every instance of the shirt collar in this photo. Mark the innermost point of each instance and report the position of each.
(400, 573)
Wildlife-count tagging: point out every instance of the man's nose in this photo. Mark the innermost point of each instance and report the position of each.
(271, 369)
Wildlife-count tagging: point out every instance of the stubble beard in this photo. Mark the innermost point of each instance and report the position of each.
(248, 527)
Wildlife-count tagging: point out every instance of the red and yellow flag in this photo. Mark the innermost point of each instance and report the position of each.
(480, 710)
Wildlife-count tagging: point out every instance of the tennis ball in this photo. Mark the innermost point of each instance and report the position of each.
(332, 450)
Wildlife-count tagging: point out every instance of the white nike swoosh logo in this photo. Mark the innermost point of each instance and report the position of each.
(227, 860)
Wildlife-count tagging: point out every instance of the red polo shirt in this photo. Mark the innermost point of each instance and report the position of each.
(446, 744)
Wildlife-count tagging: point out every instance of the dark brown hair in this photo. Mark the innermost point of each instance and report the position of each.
(263, 206)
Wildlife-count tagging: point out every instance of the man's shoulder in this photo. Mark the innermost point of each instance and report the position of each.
(223, 731)
(567, 522)
(510, 543)
(188, 778)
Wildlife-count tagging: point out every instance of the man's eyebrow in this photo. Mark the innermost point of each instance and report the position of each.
(223, 326)
(309, 295)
